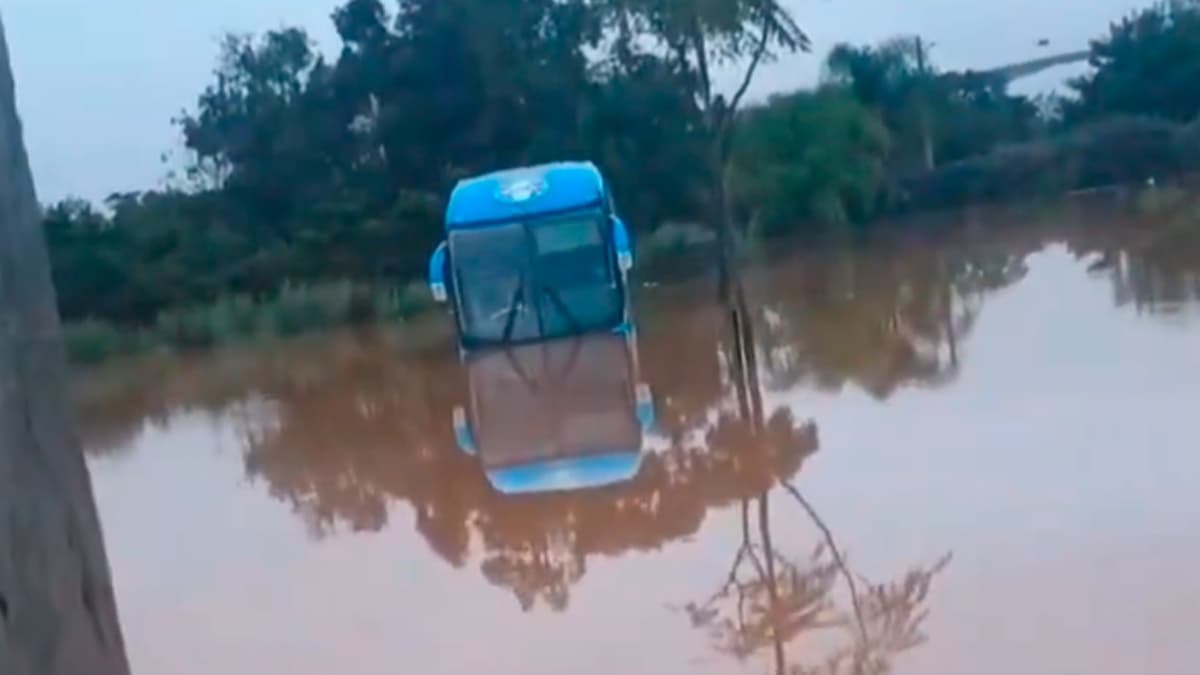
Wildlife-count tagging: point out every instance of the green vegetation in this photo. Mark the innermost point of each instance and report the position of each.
(1118, 150)
(294, 310)
(809, 157)
(309, 176)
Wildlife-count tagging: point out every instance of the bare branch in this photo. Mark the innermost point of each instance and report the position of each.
(837, 556)
(759, 52)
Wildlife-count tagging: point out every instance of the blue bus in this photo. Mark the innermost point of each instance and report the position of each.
(563, 415)
(532, 254)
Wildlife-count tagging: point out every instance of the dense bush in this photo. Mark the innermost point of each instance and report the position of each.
(811, 157)
(1109, 152)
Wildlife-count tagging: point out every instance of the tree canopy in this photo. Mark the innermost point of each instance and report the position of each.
(1148, 64)
(304, 167)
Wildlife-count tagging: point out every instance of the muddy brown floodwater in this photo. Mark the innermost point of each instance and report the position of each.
(978, 455)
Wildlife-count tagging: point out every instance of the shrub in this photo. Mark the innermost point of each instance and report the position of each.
(1117, 151)
(301, 309)
(403, 302)
(92, 341)
(187, 328)
(293, 311)
(672, 240)
(361, 307)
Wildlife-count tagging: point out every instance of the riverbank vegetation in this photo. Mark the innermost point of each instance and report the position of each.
(294, 310)
(312, 184)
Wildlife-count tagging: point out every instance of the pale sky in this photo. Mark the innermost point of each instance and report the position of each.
(98, 81)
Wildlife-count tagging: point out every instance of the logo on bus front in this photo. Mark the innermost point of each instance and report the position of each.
(522, 189)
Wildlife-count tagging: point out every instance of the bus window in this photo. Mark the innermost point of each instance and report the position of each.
(492, 270)
(574, 269)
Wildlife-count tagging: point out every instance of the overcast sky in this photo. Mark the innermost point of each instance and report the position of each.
(99, 80)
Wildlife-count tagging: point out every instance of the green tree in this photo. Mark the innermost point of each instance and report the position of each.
(305, 169)
(898, 81)
(250, 132)
(696, 36)
(933, 117)
(520, 77)
(978, 114)
(90, 264)
(644, 129)
(809, 157)
(1148, 64)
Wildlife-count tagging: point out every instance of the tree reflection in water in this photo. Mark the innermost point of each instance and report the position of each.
(769, 600)
(1154, 266)
(347, 429)
(878, 319)
(378, 431)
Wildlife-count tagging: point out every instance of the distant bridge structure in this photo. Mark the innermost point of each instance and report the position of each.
(1016, 71)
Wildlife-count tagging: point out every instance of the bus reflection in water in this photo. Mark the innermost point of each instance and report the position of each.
(568, 414)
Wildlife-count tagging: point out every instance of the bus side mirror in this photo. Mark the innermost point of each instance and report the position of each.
(462, 432)
(437, 273)
(621, 240)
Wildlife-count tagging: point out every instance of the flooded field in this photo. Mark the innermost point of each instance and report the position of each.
(971, 456)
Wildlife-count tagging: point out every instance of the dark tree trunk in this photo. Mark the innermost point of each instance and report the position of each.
(729, 277)
(726, 243)
(57, 611)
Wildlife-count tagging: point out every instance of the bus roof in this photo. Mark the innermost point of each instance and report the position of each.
(524, 192)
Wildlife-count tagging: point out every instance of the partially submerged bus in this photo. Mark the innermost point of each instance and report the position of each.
(563, 415)
(533, 254)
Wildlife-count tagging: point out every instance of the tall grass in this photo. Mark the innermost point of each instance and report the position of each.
(93, 341)
(295, 310)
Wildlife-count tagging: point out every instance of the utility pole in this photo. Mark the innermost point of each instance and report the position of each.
(925, 81)
(920, 48)
(57, 610)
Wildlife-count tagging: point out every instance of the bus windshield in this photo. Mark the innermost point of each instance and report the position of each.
(527, 281)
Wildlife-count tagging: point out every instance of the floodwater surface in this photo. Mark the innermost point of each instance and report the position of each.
(972, 456)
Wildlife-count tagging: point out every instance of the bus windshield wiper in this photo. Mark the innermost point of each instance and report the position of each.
(518, 298)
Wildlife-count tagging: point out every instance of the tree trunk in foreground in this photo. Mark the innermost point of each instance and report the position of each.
(57, 611)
